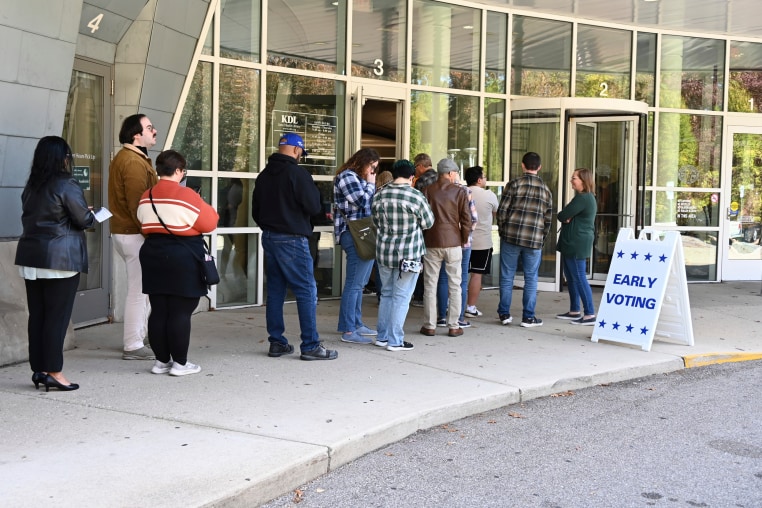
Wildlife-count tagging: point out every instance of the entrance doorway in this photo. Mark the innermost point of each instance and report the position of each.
(378, 122)
(603, 135)
(606, 146)
(742, 204)
(86, 129)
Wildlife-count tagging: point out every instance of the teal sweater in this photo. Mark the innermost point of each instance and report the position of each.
(576, 239)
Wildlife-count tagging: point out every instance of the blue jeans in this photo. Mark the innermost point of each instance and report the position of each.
(288, 264)
(396, 289)
(357, 275)
(576, 275)
(442, 287)
(509, 261)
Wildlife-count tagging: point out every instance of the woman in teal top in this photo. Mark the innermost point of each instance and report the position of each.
(575, 244)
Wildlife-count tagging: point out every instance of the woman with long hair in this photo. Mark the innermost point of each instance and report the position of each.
(575, 244)
(173, 218)
(353, 190)
(51, 254)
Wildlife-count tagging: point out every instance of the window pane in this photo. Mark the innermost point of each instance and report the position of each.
(237, 258)
(239, 29)
(209, 41)
(497, 40)
(494, 139)
(238, 148)
(687, 209)
(645, 69)
(700, 252)
(233, 203)
(193, 137)
(604, 62)
(307, 35)
(541, 62)
(745, 93)
(378, 40)
(444, 125)
(307, 106)
(692, 71)
(446, 42)
(689, 151)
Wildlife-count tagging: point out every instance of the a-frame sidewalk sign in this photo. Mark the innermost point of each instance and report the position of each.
(646, 292)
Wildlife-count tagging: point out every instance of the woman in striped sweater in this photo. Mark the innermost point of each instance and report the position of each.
(173, 218)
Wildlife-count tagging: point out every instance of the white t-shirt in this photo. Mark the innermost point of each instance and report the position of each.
(486, 206)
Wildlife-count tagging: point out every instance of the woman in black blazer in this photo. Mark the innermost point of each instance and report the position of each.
(51, 254)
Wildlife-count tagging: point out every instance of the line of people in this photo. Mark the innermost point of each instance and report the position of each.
(426, 223)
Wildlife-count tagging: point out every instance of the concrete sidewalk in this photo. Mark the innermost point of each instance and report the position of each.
(249, 428)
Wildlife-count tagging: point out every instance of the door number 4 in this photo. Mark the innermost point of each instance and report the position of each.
(95, 23)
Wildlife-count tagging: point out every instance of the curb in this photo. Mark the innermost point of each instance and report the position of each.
(701, 360)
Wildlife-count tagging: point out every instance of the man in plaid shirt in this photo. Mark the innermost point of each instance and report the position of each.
(523, 222)
(400, 214)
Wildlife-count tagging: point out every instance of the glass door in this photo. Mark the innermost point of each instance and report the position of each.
(608, 147)
(88, 115)
(742, 204)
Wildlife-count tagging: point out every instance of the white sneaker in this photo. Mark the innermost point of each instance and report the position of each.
(184, 370)
(161, 367)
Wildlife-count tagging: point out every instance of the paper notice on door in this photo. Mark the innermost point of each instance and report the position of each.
(102, 214)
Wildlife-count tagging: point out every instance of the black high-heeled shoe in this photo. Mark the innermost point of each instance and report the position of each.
(51, 381)
(38, 378)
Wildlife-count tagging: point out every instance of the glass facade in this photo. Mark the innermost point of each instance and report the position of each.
(275, 66)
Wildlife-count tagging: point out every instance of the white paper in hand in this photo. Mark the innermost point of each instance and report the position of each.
(102, 214)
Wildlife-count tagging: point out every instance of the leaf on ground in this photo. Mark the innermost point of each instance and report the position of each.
(568, 393)
(298, 496)
(491, 421)
(318, 490)
(513, 414)
(389, 454)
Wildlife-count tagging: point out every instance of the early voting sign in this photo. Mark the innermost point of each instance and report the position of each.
(646, 293)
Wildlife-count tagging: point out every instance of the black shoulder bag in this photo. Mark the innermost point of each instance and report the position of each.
(208, 268)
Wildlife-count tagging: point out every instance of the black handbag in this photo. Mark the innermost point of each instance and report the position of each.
(209, 272)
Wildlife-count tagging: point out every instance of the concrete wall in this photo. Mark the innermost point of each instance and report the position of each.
(152, 49)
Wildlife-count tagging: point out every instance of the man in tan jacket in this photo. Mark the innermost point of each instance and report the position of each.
(130, 174)
(444, 241)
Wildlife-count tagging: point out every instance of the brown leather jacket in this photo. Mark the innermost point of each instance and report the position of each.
(452, 216)
(129, 176)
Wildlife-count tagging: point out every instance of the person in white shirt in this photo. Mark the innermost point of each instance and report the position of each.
(481, 244)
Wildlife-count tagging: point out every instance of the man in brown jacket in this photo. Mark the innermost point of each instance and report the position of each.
(130, 174)
(452, 225)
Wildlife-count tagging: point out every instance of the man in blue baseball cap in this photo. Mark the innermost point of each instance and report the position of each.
(293, 139)
(285, 198)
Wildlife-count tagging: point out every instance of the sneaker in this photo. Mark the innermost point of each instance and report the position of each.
(320, 353)
(464, 324)
(380, 343)
(277, 349)
(161, 367)
(184, 370)
(568, 315)
(442, 322)
(472, 312)
(505, 319)
(355, 338)
(584, 321)
(366, 332)
(405, 346)
(417, 303)
(143, 353)
(531, 322)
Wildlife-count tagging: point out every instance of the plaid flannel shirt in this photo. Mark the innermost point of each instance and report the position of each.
(524, 213)
(400, 214)
(353, 196)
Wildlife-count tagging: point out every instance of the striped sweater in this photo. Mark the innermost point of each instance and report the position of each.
(183, 211)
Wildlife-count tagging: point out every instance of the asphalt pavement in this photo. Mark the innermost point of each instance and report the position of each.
(249, 428)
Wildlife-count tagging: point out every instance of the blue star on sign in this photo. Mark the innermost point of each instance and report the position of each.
(643, 331)
(620, 254)
(648, 256)
(629, 328)
(615, 326)
(602, 323)
(662, 259)
(634, 255)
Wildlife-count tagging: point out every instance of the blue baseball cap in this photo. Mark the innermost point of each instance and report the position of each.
(293, 139)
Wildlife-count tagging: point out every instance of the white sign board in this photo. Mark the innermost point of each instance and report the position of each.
(646, 293)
